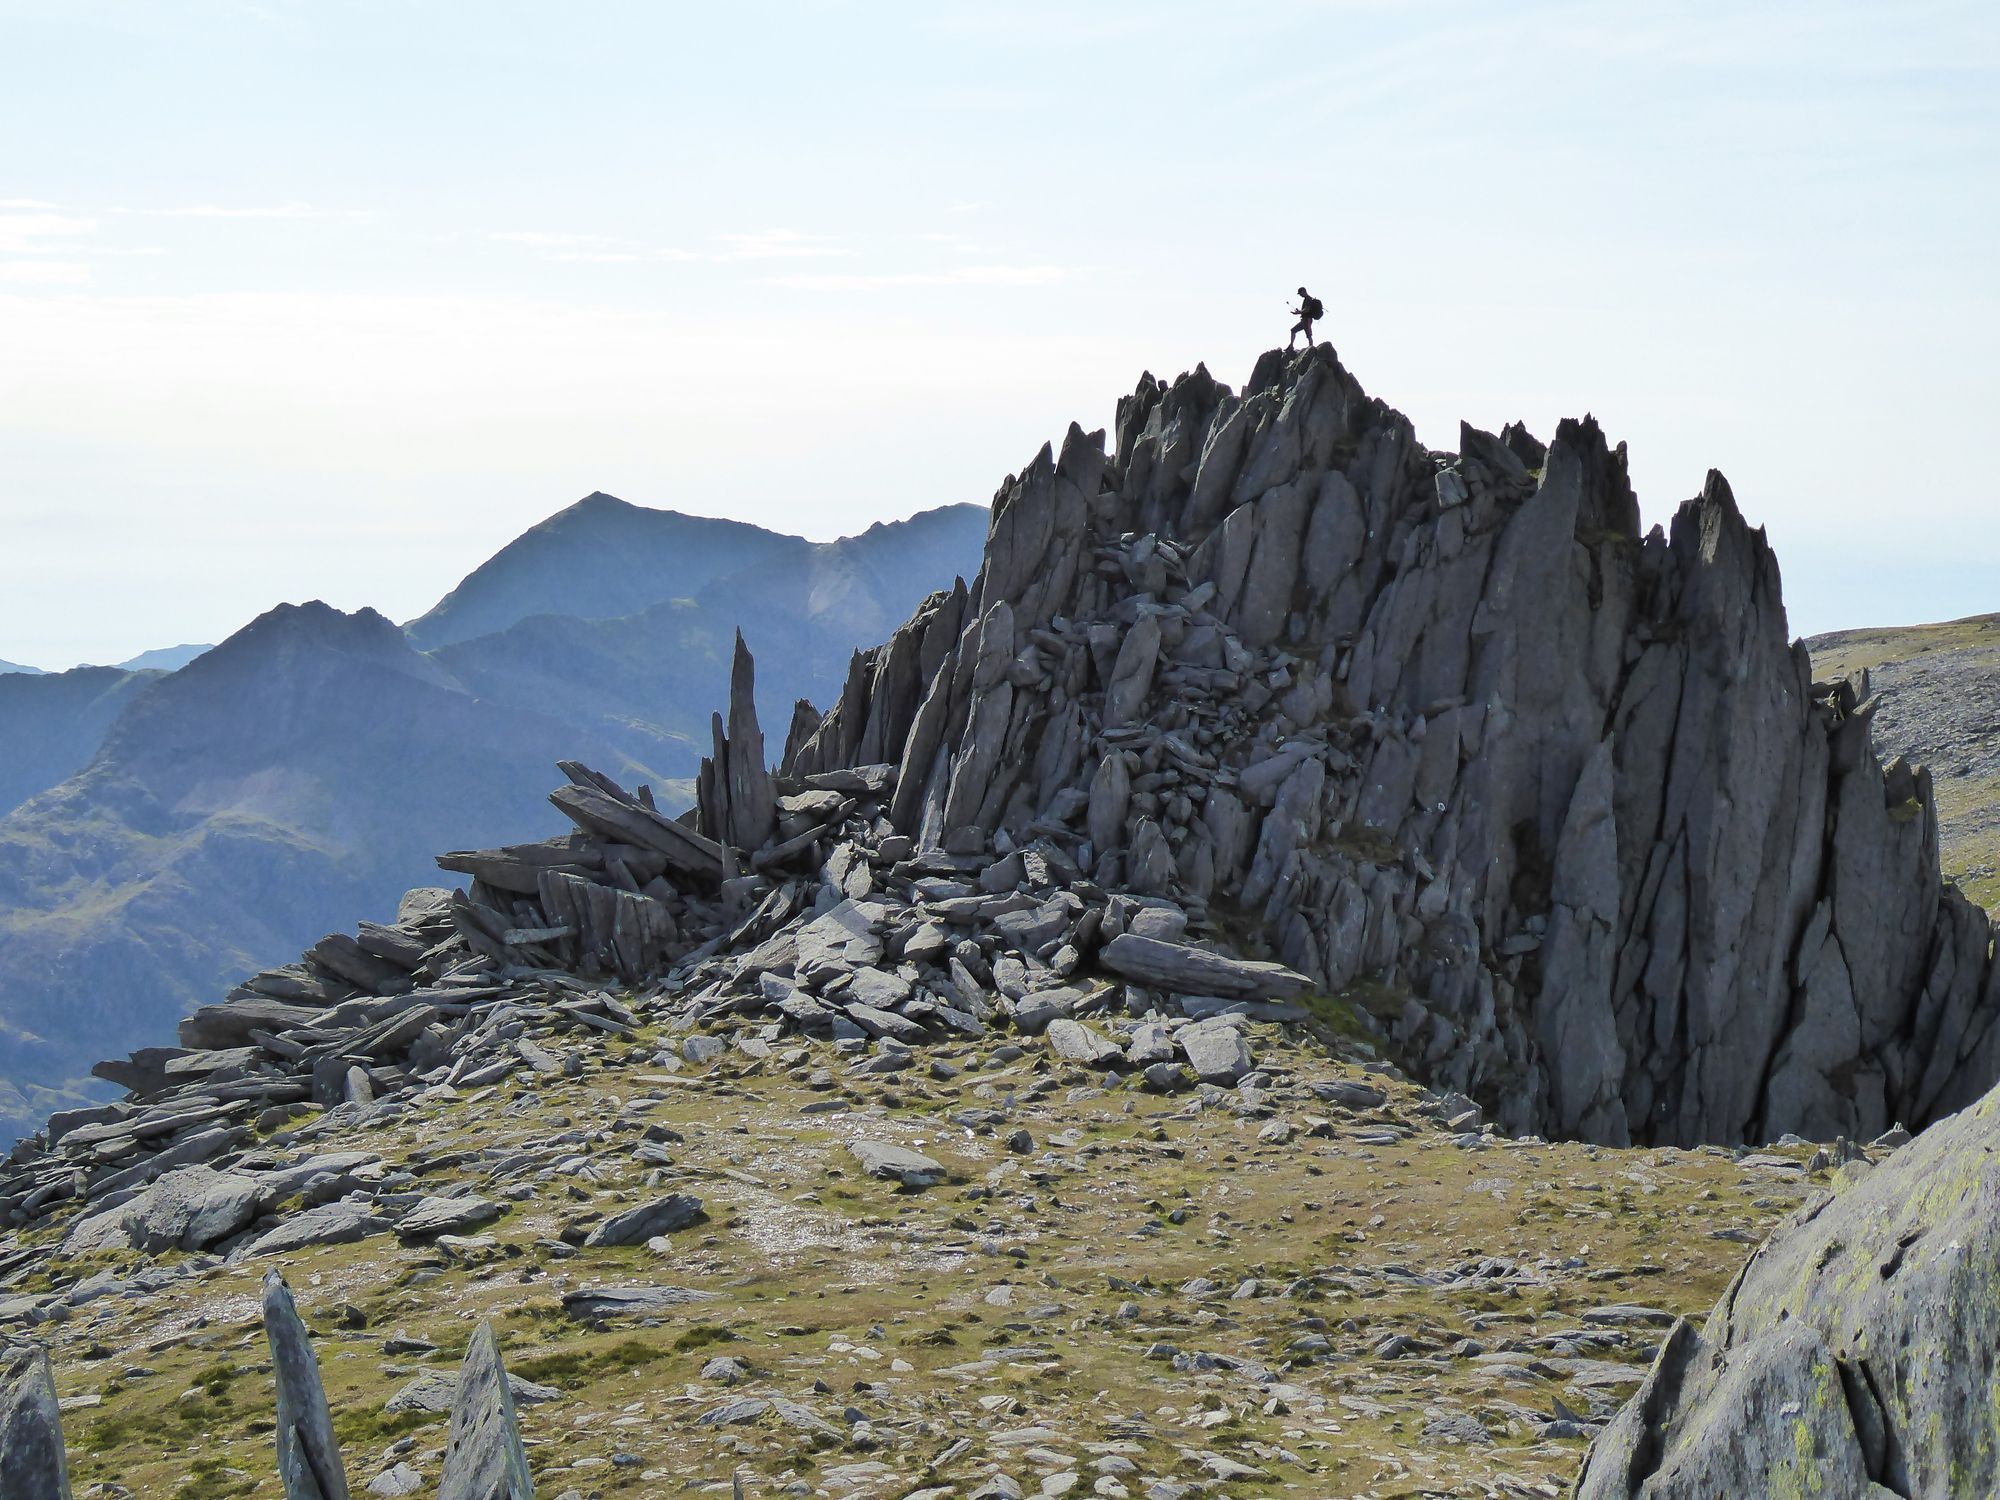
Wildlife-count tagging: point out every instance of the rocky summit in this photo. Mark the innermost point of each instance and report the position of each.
(1113, 1048)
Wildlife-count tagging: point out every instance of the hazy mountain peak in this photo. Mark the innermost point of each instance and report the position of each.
(604, 558)
(166, 658)
(14, 666)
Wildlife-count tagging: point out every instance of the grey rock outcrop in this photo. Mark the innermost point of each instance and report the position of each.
(309, 1463)
(1237, 711)
(1852, 1354)
(32, 1460)
(484, 1459)
(1564, 790)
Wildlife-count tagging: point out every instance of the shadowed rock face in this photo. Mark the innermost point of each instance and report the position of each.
(1565, 797)
(1852, 1355)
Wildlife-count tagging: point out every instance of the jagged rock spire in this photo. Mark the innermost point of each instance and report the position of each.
(738, 806)
(32, 1463)
(309, 1463)
(1573, 795)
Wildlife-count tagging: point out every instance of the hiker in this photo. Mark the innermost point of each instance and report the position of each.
(1310, 310)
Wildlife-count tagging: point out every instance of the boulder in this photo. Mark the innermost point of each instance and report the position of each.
(595, 1304)
(435, 1216)
(192, 1208)
(336, 1223)
(635, 1226)
(1852, 1354)
(897, 1163)
(1215, 1050)
(1075, 1042)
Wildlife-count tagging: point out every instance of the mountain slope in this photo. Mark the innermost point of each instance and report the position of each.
(599, 559)
(51, 724)
(15, 667)
(311, 765)
(658, 671)
(1937, 701)
(307, 767)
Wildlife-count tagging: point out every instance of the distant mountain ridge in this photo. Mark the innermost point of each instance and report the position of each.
(165, 834)
(11, 667)
(165, 658)
(51, 724)
(599, 559)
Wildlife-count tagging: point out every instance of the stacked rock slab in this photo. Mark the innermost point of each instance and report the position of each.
(1851, 1358)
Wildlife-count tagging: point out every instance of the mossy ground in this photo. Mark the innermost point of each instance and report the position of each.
(1014, 1306)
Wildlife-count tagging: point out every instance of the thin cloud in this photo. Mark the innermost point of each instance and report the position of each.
(257, 211)
(959, 276)
(591, 249)
(779, 244)
(26, 203)
(605, 249)
(536, 239)
(33, 233)
(44, 273)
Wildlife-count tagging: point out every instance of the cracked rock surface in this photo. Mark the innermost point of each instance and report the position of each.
(1851, 1356)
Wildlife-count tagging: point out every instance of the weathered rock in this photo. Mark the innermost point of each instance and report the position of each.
(484, 1459)
(437, 1391)
(309, 1463)
(1151, 1043)
(842, 940)
(435, 1216)
(594, 1304)
(635, 1226)
(337, 1223)
(1075, 1042)
(192, 1208)
(897, 1163)
(33, 1464)
(1195, 971)
(1850, 1356)
(1215, 1050)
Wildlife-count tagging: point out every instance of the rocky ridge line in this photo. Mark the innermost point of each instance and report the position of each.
(1443, 730)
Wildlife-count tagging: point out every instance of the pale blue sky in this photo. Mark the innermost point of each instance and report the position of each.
(330, 300)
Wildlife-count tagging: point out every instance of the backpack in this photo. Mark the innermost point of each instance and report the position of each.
(1313, 310)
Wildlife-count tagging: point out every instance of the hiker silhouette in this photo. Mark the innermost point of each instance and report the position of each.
(1310, 310)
